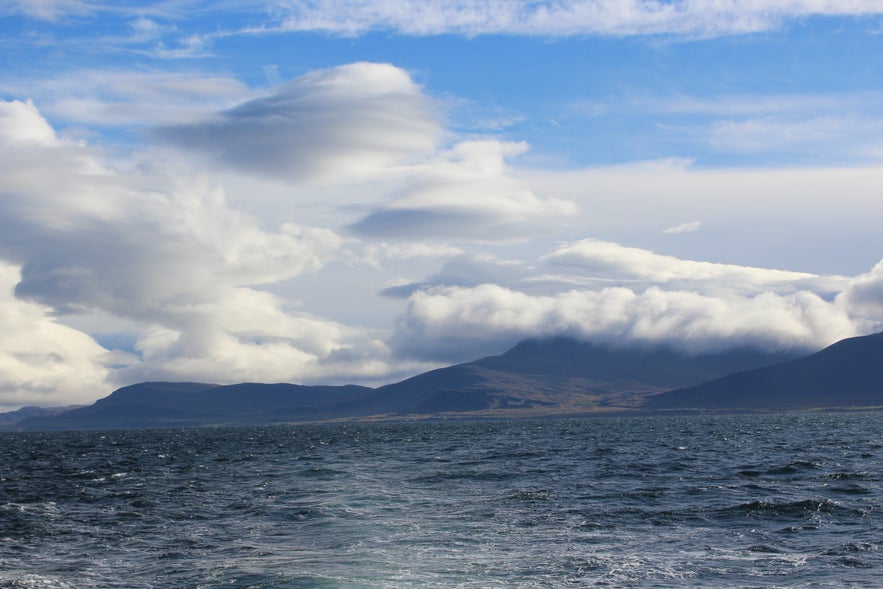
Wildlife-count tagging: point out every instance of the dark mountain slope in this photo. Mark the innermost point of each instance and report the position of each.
(560, 374)
(846, 374)
(540, 377)
(12, 418)
(164, 404)
(657, 364)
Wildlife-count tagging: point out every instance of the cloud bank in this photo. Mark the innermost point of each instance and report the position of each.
(603, 291)
(457, 322)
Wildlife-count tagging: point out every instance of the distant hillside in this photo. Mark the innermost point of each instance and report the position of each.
(166, 404)
(560, 375)
(556, 376)
(846, 374)
(11, 418)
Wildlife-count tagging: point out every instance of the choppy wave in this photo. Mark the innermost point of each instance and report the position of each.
(738, 501)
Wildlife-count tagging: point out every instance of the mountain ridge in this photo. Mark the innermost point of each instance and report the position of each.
(848, 373)
(540, 377)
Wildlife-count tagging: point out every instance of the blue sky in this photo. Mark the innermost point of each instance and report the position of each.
(351, 191)
(578, 99)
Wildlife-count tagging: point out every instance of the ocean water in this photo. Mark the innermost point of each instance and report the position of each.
(790, 500)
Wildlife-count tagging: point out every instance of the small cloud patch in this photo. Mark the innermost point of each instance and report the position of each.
(684, 227)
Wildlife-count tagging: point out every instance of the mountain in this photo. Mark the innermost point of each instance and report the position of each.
(560, 376)
(11, 418)
(847, 374)
(557, 376)
(181, 404)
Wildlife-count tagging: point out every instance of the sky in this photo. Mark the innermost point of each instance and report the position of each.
(347, 191)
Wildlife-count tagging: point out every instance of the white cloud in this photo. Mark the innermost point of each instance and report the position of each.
(352, 121)
(464, 193)
(468, 269)
(829, 127)
(145, 28)
(48, 9)
(597, 259)
(210, 291)
(864, 295)
(578, 290)
(693, 18)
(21, 124)
(160, 248)
(688, 227)
(87, 233)
(248, 335)
(456, 322)
(88, 237)
(753, 106)
(376, 254)
(53, 10)
(368, 123)
(129, 98)
(817, 220)
(563, 18)
(857, 135)
(42, 362)
(188, 47)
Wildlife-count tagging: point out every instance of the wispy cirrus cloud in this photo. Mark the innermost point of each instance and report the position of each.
(829, 127)
(179, 10)
(692, 18)
(115, 97)
(603, 260)
(49, 9)
(568, 18)
(853, 137)
(768, 104)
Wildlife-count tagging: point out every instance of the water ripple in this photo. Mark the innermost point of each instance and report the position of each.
(701, 501)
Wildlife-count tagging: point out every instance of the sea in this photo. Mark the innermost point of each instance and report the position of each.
(773, 500)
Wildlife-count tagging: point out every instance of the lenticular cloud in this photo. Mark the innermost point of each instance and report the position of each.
(611, 261)
(464, 193)
(354, 120)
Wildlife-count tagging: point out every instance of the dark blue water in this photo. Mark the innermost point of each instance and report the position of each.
(733, 501)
